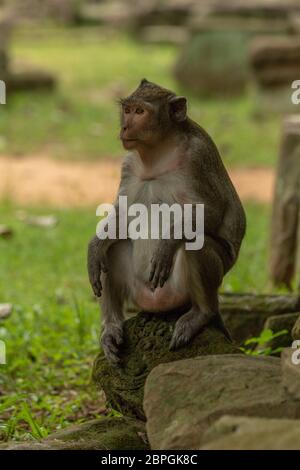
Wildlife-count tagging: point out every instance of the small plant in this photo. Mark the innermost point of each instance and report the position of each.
(262, 340)
(37, 431)
(80, 319)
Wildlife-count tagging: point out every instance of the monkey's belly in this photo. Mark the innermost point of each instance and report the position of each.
(172, 295)
(162, 299)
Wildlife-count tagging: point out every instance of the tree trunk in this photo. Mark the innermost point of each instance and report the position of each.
(285, 218)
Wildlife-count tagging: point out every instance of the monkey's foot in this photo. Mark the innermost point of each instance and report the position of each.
(186, 327)
(111, 339)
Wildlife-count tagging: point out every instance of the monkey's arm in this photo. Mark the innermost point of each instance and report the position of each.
(96, 263)
(224, 219)
(98, 248)
(96, 258)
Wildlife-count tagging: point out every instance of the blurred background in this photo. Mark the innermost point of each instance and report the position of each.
(66, 63)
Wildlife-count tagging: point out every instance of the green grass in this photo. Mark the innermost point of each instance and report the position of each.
(80, 120)
(52, 335)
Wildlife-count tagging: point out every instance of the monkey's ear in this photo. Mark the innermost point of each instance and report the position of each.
(178, 108)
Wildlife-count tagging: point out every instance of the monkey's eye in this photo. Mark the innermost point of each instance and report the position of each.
(126, 110)
(139, 111)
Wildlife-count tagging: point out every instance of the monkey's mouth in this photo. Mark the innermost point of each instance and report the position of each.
(124, 139)
(128, 142)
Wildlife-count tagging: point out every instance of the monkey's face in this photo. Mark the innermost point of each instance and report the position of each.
(139, 125)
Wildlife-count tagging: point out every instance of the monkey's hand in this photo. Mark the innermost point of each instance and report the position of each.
(96, 264)
(162, 262)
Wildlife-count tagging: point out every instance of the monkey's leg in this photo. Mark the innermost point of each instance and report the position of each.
(205, 274)
(115, 286)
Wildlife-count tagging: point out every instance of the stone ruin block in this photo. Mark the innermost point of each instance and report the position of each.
(275, 61)
(285, 232)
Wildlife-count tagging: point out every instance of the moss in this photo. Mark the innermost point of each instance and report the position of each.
(100, 434)
(109, 433)
(147, 338)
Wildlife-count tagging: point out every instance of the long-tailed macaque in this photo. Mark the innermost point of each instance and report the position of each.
(171, 160)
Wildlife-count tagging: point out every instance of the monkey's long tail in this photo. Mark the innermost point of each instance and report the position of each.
(218, 322)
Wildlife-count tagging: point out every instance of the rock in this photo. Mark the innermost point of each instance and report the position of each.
(182, 399)
(5, 33)
(277, 324)
(251, 26)
(206, 63)
(284, 246)
(296, 329)
(242, 433)
(3, 63)
(5, 310)
(282, 322)
(24, 78)
(46, 221)
(146, 344)
(275, 60)
(64, 11)
(113, 12)
(5, 232)
(290, 364)
(246, 314)
(295, 23)
(177, 35)
(157, 13)
(253, 17)
(30, 80)
(99, 434)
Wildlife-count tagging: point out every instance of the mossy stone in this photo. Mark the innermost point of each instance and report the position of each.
(99, 434)
(146, 345)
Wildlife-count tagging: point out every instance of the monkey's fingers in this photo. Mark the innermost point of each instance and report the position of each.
(164, 276)
(153, 268)
(111, 351)
(177, 342)
(97, 287)
(156, 276)
(118, 337)
(111, 356)
(183, 332)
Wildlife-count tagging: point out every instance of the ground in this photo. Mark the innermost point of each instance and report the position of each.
(59, 154)
(39, 179)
